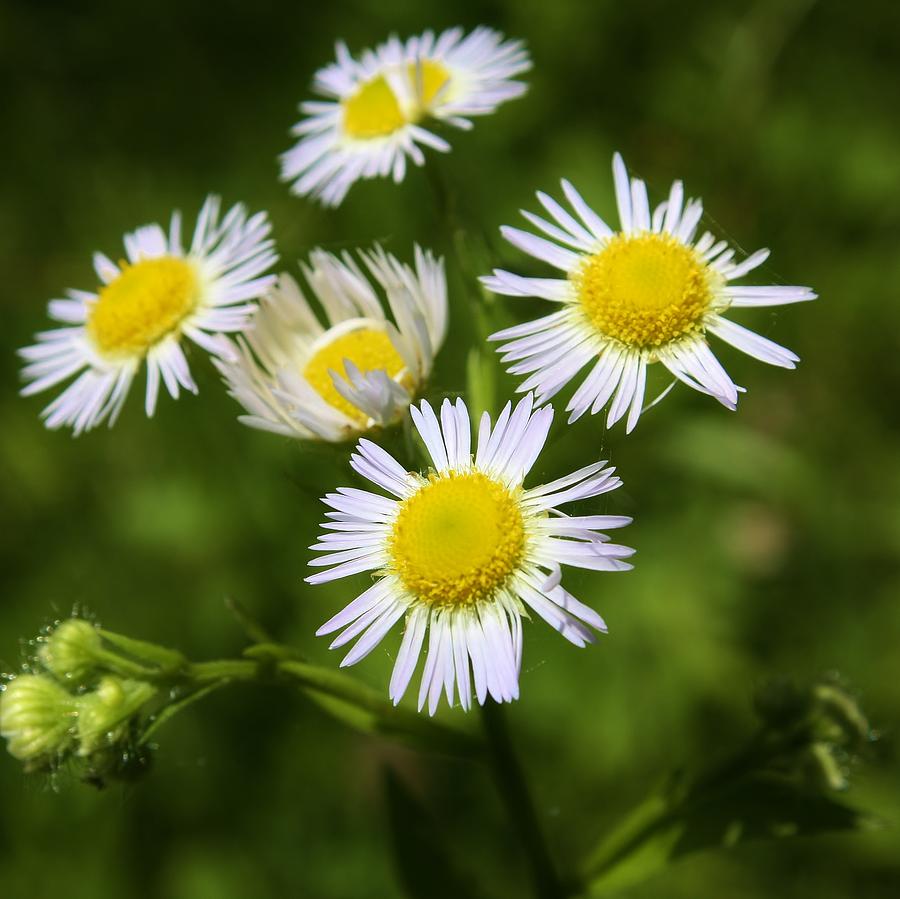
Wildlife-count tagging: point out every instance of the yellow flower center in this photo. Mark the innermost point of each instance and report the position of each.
(375, 111)
(645, 290)
(144, 304)
(368, 349)
(457, 539)
(434, 76)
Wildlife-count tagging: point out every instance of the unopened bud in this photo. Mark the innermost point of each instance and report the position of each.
(104, 713)
(842, 720)
(70, 651)
(823, 771)
(37, 717)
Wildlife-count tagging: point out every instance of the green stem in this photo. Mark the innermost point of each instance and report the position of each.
(224, 670)
(166, 659)
(120, 665)
(248, 624)
(472, 259)
(271, 664)
(171, 710)
(458, 244)
(513, 789)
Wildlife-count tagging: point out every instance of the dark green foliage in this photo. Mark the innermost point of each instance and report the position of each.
(423, 849)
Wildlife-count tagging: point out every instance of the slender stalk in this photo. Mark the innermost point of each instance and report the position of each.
(335, 691)
(457, 242)
(166, 659)
(513, 789)
(248, 624)
(170, 711)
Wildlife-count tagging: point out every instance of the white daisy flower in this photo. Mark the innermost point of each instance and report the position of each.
(464, 552)
(145, 307)
(647, 293)
(371, 122)
(298, 377)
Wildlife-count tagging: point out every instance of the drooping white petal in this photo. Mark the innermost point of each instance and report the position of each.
(269, 375)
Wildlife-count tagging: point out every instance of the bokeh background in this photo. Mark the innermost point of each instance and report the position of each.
(768, 540)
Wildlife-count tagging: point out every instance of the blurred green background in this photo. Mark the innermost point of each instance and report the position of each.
(768, 540)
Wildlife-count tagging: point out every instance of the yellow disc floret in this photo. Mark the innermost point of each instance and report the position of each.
(145, 303)
(373, 111)
(368, 349)
(645, 290)
(457, 539)
(433, 77)
(376, 111)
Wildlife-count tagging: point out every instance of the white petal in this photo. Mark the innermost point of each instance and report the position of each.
(752, 344)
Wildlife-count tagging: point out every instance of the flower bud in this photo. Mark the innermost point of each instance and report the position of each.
(104, 713)
(70, 651)
(822, 770)
(37, 717)
(842, 721)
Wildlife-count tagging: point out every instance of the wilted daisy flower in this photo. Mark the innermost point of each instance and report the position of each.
(372, 120)
(647, 293)
(298, 377)
(145, 307)
(464, 551)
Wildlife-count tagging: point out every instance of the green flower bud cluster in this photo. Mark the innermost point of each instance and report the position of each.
(71, 650)
(79, 700)
(813, 732)
(38, 717)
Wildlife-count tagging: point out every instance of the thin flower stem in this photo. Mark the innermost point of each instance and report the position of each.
(248, 624)
(166, 659)
(458, 241)
(272, 664)
(170, 711)
(122, 666)
(471, 257)
(513, 789)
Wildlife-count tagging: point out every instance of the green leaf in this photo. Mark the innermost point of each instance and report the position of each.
(424, 867)
(761, 806)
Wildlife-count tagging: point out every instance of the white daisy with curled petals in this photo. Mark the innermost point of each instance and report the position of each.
(377, 106)
(464, 551)
(650, 292)
(146, 306)
(299, 377)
